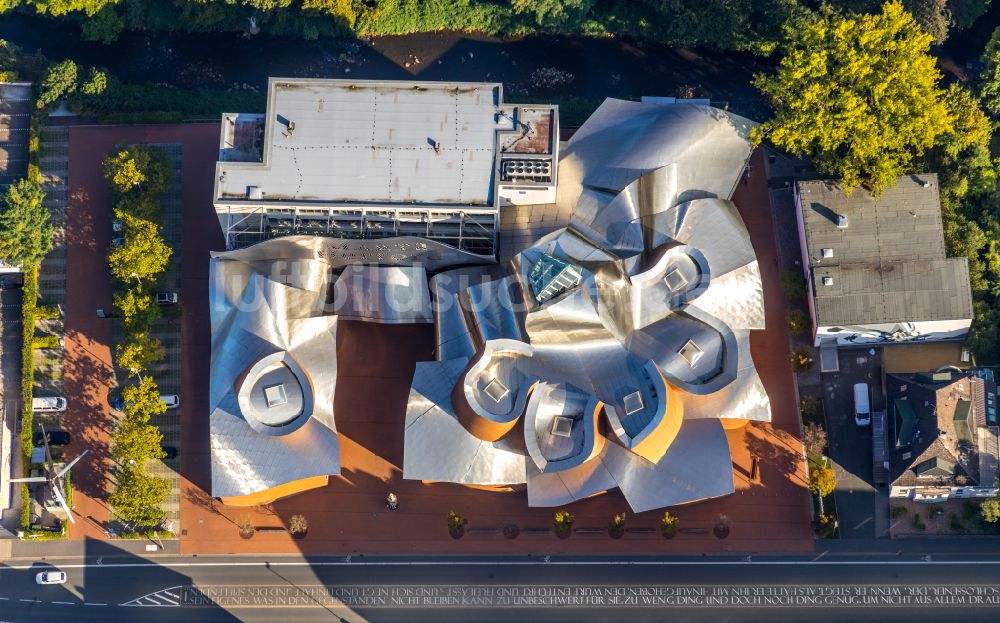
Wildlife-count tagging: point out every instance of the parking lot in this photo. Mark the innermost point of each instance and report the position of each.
(15, 116)
(850, 446)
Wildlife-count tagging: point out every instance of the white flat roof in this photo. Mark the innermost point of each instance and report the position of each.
(343, 141)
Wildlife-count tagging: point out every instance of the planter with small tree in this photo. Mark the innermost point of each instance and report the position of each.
(298, 526)
(616, 526)
(563, 524)
(245, 526)
(722, 525)
(456, 525)
(511, 531)
(668, 526)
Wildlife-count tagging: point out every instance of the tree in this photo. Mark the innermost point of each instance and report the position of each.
(123, 171)
(858, 94)
(138, 497)
(990, 509)
(138, 351)
(103, 26)
(138, 309)
(822, 480)
(142, 400)
(933, 16)
(814, 439)
(97, 82)
(142, 255)
(136, 441)
(59, 80)
(25, 230)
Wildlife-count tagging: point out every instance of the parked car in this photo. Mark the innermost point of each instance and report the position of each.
(117, 226)
(171, 452)
(862, 408)
(56, 438)
(51, 403)
(171, 400)
(51, 577)
(166, 298)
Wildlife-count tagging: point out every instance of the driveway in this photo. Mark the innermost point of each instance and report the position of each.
(850, 446)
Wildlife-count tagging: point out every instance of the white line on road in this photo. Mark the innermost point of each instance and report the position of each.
(88, 603)
(526, 563)
(64, 603)
(28, 600)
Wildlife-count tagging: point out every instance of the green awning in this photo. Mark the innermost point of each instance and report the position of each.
(906, 423)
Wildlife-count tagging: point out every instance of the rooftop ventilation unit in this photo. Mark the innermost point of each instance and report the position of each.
(828, 281)
(842, 221)
(275, 396)
(826, 252)
(675, 280)
(255, 192)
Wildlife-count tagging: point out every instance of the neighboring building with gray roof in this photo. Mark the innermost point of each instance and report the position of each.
(942, 434)
(362, 160)
(876, 268)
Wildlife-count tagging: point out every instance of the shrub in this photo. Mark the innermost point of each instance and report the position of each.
(822, 480)
(456, 522)
(28, 302)
(799, 322)
(918, 523)
(563, 521)
(814, 439)
(794, 284)
(897, 511)
(801, 360)
(616, 525)
(47, 312)
(990, 508)
(298, 524)
(669, 524)
(45, 341)
(25, 507)
(956, 523)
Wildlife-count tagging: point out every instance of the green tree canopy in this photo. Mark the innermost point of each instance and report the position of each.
(137, 352)
(822, 480)
(142, 255)
(142, 400)
(123, 171)
(139, 497)
(138, 309)
(135, 441)
(858, 94)
(25, 230)
(59, 80)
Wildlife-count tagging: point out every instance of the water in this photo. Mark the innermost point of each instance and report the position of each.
(604, 67)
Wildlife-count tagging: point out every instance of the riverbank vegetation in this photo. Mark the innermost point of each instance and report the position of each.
(723, 24)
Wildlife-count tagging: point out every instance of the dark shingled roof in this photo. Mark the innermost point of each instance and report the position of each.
(888, 264)
(934, 419)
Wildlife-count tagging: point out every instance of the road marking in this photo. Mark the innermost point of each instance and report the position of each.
(89, 603)
(28, 600)
(529, 563)
(64, 603)
(160, 594)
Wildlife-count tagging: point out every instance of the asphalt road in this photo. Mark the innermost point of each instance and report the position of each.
(834, 588)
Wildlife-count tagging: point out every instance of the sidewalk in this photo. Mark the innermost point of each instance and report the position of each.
(69, 548)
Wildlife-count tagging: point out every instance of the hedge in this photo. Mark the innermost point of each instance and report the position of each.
(25, 508)
(47, 312)
(28, 303)
(45, 341)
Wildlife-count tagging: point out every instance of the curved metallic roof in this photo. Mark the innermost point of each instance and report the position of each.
(649, 327)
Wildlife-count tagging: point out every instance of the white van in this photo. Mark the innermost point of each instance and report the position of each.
(54, 403)
(862, 410)
(172, 400)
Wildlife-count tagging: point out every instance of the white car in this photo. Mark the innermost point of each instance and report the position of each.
(171, 400)
(51, 577)
(50, 403)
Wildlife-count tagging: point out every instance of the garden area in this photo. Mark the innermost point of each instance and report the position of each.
(949, 518)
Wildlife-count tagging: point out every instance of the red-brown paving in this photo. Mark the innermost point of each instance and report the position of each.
(375, 363)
